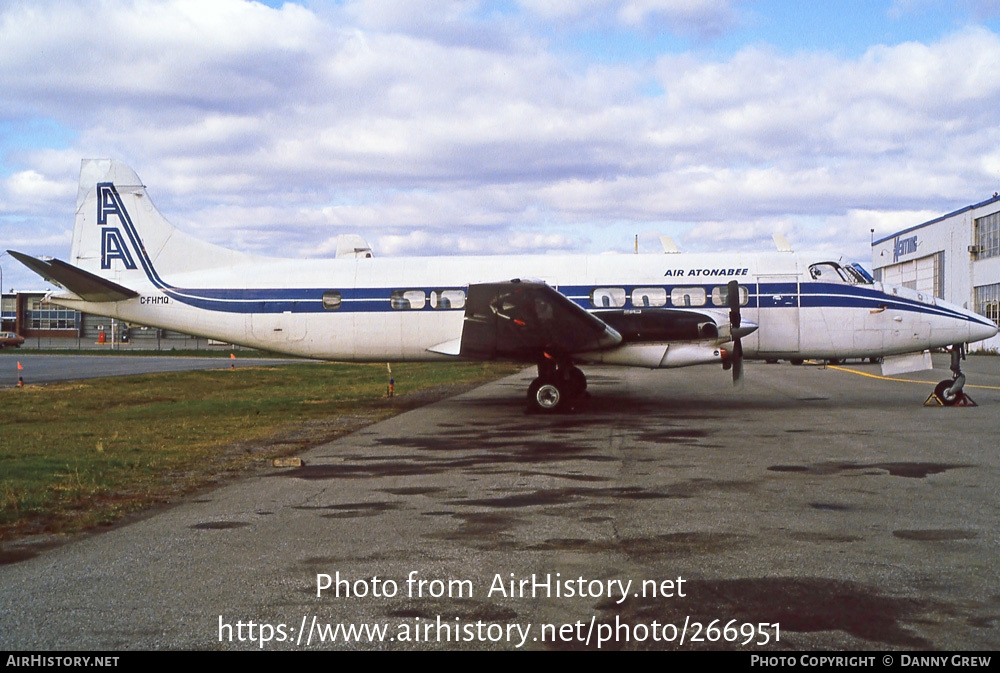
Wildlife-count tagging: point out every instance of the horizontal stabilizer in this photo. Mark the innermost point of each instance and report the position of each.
(85, 285)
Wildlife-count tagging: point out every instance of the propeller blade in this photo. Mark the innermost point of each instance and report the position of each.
(735, 320)
(737, 364)
(733, 298)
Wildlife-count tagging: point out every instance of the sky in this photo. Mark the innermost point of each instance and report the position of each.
(511, 127)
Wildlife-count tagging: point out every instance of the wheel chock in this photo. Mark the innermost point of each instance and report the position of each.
(962, 400)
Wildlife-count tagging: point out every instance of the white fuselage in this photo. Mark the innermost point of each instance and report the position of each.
(392, 309)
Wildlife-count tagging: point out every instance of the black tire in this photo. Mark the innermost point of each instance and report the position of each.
(796, 361)
(576, 382)
(941, 392)
(532, 389)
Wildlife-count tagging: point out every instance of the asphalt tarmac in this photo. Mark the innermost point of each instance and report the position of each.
(55, 368)
(816, 509)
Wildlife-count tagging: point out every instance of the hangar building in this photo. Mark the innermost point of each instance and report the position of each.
(955, 257)
(45, 325)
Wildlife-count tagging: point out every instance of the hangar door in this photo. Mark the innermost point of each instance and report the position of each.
(924, 275)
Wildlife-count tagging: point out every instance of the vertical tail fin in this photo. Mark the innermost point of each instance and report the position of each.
(120, 235)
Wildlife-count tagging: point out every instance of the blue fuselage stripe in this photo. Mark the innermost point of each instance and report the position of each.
(376, 300)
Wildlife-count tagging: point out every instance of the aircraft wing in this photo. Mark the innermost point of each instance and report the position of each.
(523, 320)
(81, 283)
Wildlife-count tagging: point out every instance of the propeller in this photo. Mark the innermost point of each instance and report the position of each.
(733, 296)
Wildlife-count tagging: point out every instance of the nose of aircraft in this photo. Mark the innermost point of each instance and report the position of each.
(969, 326)
(981, 328)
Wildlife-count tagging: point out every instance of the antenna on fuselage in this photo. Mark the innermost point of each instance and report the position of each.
(669, 247)
(781, 243)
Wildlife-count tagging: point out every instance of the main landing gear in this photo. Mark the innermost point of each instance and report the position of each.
(557, 388)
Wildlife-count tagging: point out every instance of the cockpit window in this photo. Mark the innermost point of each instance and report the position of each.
(831, 272)
(827, 272)
(863, 272)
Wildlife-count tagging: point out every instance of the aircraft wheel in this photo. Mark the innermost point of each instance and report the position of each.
(533, 388)
(796, 361)
(941, 390)
(546, 396)
(576, 382)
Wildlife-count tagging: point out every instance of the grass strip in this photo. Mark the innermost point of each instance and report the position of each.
(82, 454)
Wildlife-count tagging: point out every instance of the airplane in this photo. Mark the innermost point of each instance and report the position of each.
(556, 312)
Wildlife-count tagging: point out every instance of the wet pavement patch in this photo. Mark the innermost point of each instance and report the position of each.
(570, 476)
(670, 436)
(566, 495)
(413, 490)
(984, 622)
(916, 470)
(555, 497)
(798, 604)
(821, 538)
(352, 510)
(830, 506)
(219, 525)
(668, 545)
(909, 470)
(17, 550)
(482, 530)
(366, 467)
(936, 535)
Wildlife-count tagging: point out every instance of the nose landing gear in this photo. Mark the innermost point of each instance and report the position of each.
(950, 392)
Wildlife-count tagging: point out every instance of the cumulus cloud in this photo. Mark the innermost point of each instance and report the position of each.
(703, 18)
(28, 189)
(455, 128)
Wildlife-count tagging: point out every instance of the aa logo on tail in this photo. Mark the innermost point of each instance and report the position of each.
(113, 247)
(113, 244)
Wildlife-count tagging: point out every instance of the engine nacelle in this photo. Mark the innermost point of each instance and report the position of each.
(658, 355)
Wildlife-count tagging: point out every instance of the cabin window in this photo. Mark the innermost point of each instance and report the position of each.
(688, 296)
(608, 297)
(446, 299)
(649, 296)
(331, 300)
(720, 296)
(402, 300)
